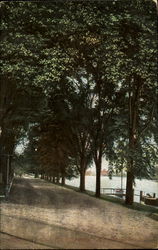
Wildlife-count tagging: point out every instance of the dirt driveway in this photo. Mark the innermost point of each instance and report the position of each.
(59, 218)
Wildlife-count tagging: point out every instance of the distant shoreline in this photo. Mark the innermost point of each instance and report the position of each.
(124, 176)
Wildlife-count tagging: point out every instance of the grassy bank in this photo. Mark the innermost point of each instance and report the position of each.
(136, 206)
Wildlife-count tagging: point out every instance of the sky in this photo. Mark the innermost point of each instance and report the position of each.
(19, 149)
(21, 146)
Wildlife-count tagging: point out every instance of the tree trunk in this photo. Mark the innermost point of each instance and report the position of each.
(98, 162)
(133, 115)
(130, 177)
(63, 180)
(57, 179)
(129, 188)
(63, 174)
(98, 172)
(82, 179)
(36, 175)
(53, 179)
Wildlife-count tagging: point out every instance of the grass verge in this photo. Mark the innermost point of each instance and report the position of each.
(135, 205)
(149, 210)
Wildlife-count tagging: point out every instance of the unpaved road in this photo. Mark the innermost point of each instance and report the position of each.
(11, 242)
(42, 215)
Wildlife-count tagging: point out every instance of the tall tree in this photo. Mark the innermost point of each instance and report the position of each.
(137, 89)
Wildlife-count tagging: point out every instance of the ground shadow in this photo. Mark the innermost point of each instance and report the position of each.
(39, 193)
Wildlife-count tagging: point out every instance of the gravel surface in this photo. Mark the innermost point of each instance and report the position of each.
(11, 242)
(62, 218)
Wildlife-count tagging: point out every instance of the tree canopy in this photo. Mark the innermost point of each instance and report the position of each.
(84, 74)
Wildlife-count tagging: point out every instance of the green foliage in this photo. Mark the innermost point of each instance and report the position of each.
(75, 68)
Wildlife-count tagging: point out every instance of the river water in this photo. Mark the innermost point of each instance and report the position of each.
(147, 186)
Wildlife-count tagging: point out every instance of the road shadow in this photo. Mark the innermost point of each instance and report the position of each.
(39, 193)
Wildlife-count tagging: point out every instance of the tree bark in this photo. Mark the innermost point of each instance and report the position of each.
(42, 176)
(36, 175)
(130, 173)
(82, 179)
(129, 188)
(134, 92)
(98, 182)
(63, 174)
(98, 163)
(57, 179)
(53, 179)
(63, 180)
